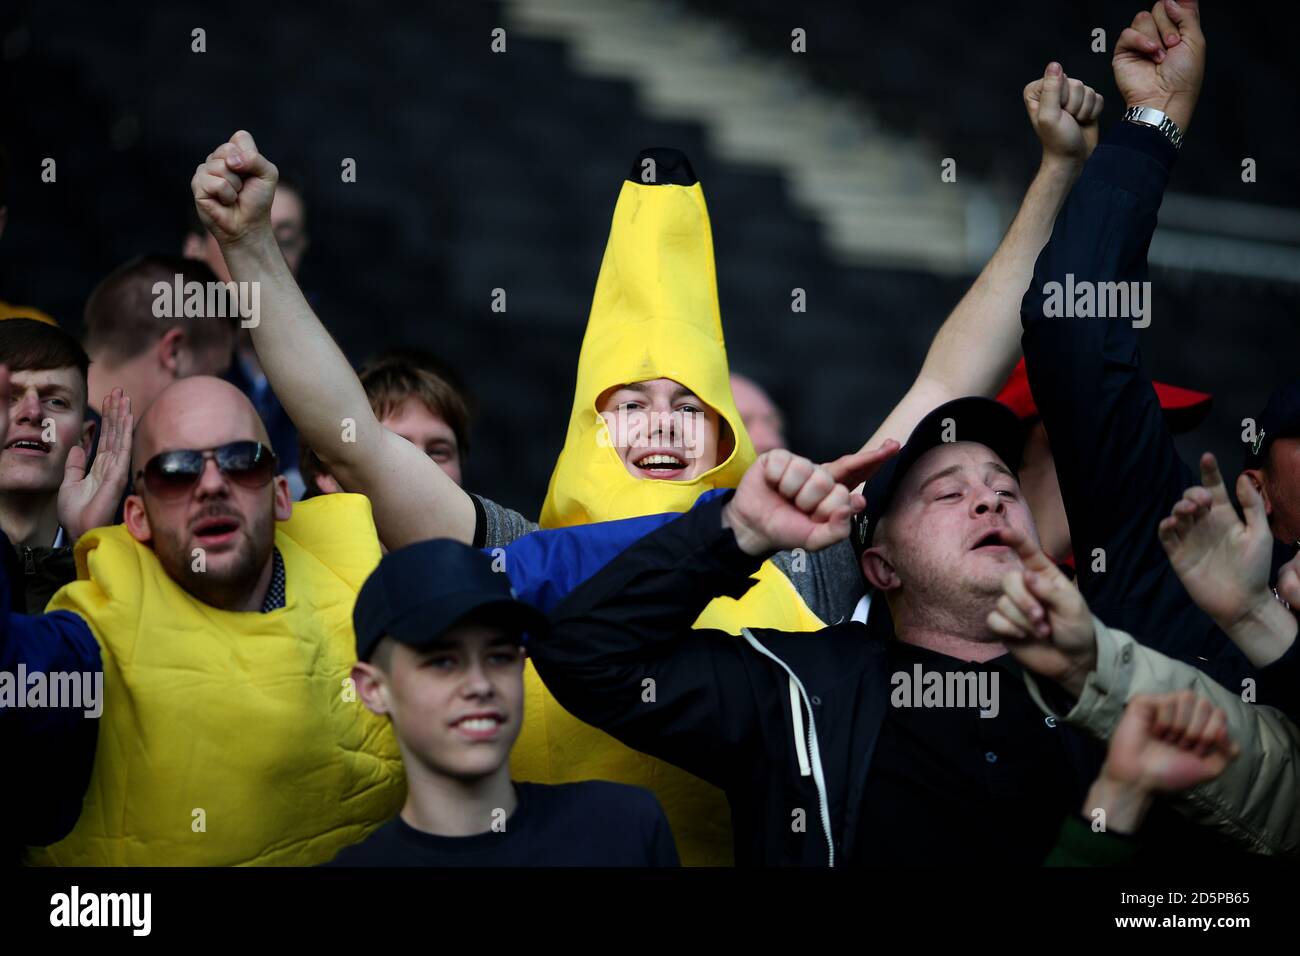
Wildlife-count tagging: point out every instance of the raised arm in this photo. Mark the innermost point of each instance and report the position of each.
(979, 343)
(413, 499)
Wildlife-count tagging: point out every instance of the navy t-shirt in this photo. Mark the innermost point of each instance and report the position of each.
(594, 823)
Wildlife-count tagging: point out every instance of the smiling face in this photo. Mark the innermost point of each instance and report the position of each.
(46, 418)
(414, 421)
(937, 552)
(660, 429)
(456, 705)
(231, 525)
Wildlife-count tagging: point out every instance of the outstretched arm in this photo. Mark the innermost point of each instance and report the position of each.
(979, 343)
(413, 499)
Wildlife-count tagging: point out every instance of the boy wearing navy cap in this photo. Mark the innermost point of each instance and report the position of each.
(440, 651)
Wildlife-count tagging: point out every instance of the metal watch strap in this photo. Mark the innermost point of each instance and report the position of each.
(1148, 116)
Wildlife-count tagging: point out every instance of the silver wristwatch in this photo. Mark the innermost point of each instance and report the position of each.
(1148, 116)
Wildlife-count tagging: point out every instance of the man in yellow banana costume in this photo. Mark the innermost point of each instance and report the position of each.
(653, 426)
(223, 613)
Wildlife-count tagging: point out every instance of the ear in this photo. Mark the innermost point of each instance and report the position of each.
(194, 246)
(137, 519)
(283, 498)
(371, 687)
(878, 570)
(169, 350)
(1256, 476)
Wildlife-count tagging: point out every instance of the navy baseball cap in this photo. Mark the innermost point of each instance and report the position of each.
(973, 419)
(1279, 419)
(418, 592)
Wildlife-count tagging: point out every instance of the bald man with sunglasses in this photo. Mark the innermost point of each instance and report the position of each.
(223, 611)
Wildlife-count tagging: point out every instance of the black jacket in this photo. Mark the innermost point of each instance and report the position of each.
(37, 573)
(786, 724)
(1119, 470)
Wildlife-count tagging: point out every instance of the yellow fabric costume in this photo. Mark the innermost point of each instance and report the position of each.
(230, 738)
(654, 315)
(10, 311)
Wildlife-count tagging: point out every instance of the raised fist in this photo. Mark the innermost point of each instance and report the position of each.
(1159, 60)
(1063, 112)
(233, 189)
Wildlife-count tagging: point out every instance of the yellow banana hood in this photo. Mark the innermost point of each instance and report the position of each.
(231, 738)
(654, 315)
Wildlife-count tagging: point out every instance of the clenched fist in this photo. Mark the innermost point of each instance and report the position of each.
(785, 501)
(1159, 60)
(233, 190)
(1063, 112)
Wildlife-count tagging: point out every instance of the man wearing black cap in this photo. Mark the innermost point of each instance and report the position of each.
(817, 742)
(440, 650)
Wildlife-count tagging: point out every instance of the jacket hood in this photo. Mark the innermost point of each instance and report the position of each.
(654, 315)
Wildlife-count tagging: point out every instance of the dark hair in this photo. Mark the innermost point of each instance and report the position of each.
(4, 175)
(120, 320)
(27, 345)
(391, 378)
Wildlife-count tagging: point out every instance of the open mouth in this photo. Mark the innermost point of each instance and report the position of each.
(28, 446)
(661, 465)
(215, 530)
(480, 726)
(991, 541)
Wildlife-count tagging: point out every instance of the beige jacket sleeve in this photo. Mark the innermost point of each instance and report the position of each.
(1256, 801)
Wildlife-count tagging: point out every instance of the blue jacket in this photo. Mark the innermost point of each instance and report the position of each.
(48, 751)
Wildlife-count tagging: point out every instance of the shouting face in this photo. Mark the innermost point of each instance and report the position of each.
(660, 429)
(213, 534)
(938, 551)
(46, 418)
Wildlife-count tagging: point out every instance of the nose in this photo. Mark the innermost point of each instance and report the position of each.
(987, 500)
(211, 481)
(476, 681)
(28, 408)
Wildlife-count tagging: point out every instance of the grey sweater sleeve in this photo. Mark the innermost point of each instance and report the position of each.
(829, 581)
(497, 525)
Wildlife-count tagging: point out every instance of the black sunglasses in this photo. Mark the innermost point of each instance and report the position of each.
(170, 474)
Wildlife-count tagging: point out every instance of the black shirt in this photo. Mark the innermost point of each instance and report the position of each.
(594, 823)
(947, 786)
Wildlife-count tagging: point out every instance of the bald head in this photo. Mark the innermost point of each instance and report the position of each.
(196, 412)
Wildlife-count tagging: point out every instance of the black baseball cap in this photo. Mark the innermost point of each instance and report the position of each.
(418, 592)
(1279, 419)
(973, 419)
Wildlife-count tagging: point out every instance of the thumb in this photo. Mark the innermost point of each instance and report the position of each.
(75, 469)
(1186, 15)
(1252, 503)
(1288, 583)
(1049, 104)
